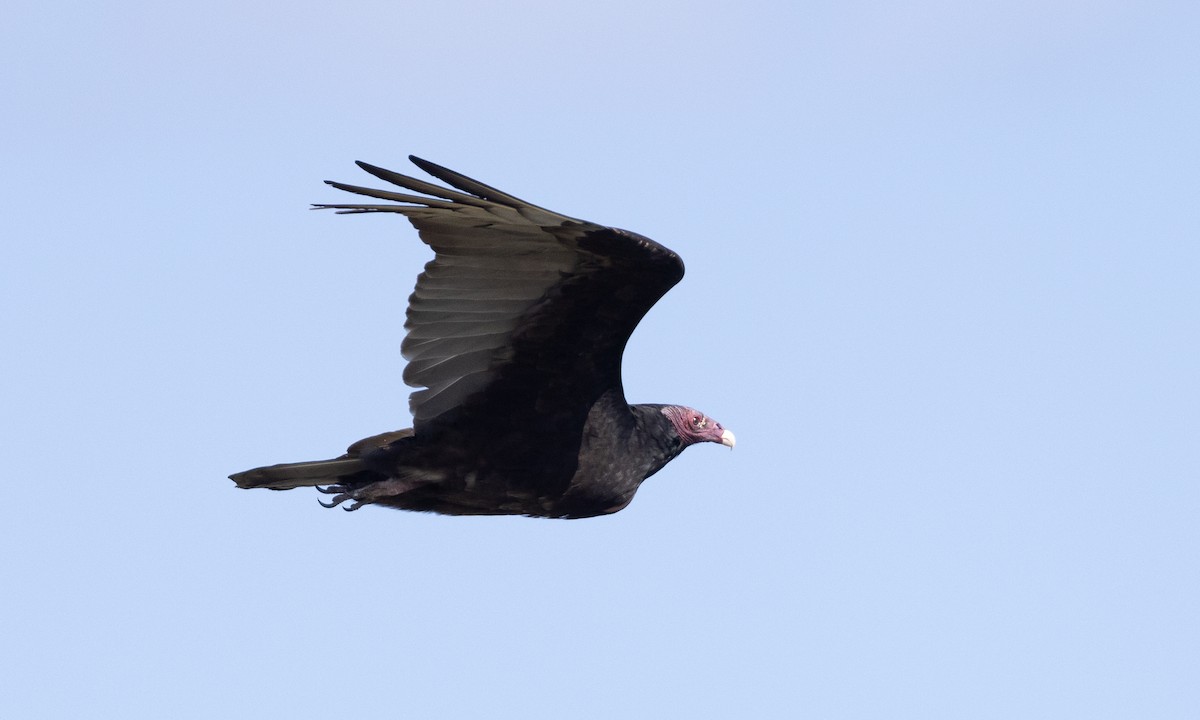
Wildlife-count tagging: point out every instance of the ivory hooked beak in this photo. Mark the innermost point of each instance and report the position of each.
(728, 440)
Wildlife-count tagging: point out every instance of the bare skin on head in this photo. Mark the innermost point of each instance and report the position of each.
(694, 426)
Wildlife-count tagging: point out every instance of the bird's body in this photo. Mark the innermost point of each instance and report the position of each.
(515, 331)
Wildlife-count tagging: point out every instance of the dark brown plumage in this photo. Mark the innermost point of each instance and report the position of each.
(515, 333)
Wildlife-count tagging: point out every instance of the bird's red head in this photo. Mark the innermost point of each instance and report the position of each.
(694, 426)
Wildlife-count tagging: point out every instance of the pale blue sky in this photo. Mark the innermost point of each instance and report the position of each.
(943, 282)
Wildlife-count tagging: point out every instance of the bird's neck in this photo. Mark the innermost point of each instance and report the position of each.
(657, 435)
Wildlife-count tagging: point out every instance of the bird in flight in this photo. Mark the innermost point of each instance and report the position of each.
(514, 337)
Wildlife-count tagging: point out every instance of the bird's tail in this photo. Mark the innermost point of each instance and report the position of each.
(302, 474)
(348, 470)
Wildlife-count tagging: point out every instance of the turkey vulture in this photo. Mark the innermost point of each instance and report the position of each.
(515, 332)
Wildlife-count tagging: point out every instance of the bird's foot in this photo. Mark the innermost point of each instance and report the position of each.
(364, 495)
(341, 494)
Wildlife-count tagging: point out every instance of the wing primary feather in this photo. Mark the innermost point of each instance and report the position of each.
(466, 184)
(388, 195)
(417, 185)
(487, 192)
(355, 209)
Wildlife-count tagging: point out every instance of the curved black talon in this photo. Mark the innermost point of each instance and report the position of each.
(343, 493)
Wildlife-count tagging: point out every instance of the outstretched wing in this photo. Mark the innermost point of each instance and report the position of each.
(523, 314)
